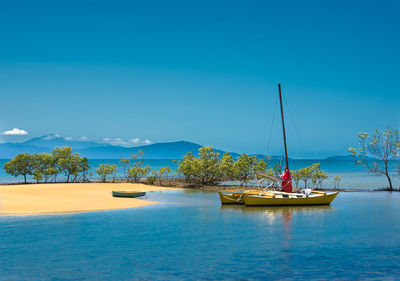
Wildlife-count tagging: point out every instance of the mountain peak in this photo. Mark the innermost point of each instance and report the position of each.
(50, 137)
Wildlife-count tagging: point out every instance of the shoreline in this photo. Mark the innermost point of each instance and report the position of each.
(181, 184)
(61, 198)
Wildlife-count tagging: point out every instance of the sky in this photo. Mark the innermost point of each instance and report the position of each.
(201, 71)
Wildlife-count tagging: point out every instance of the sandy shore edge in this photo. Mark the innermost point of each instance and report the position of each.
(62, 198)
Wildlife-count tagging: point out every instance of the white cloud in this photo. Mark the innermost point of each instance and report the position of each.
(128, 143)
(135, 140)
(83, 138)
(68, 138)
(52, 137)
(15, 131)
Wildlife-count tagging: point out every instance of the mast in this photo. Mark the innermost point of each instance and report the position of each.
(283, 126)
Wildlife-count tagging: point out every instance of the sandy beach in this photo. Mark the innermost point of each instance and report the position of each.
(34, 199)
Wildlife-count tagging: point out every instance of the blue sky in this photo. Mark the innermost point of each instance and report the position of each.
(201, 71)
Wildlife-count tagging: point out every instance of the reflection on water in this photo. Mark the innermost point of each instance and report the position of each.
(273, 212)
(280, 215)
(273, 215)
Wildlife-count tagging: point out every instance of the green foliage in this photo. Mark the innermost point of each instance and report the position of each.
(106, 169)
(163, 174)
(45, 166)
(336, 181)
(295, 177)
(69, 164)
(138, 171)
(376, 152)
(208, 165)
(20, 165)
(209, 168)
(275, 171)
(125, 164)
(311, 173)
(245, 167)
(187, 167)
(151, 180)
(204, 169)
(317, 176)
(305, 175)
(227, 166)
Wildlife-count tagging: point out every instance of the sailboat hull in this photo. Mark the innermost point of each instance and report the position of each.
(234, 196)
(318, 199)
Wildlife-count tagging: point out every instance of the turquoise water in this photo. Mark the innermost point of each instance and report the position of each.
(353, 177)
(193, 238)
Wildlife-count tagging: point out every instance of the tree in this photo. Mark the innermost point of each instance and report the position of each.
(244, 167)
(44, 166)
(260, 166)
(20, 165)
(187, 167)
(83, 168)
(275, 171)
(164, 173)
(317, 176)
(227, 166)
(106, 169)
(68, 163)
(378, 151)
(204, 169)
(295, 177)
(125, 164)
(208, 163)
(305, 175)
(336, 181)
(138, 171)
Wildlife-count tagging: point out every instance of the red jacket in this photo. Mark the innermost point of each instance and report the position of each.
(287, 182)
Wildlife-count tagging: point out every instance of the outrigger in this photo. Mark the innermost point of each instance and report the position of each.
(276, 198)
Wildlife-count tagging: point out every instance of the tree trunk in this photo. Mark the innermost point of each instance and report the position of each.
(25, 178)
(390, 182)
(68, 178)
(388, 177)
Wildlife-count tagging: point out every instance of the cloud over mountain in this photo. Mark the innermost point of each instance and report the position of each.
(15, 132)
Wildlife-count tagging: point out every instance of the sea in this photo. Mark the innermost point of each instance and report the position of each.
(353, 177)
(190, 236)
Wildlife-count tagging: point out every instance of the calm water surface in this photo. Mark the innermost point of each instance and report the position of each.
(191, 237)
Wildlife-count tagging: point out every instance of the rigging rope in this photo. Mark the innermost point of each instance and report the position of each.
(272, 125)
(295, 128)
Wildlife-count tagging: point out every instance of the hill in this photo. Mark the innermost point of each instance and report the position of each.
(95, 150)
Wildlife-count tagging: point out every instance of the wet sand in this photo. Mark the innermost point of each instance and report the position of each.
(35, 199)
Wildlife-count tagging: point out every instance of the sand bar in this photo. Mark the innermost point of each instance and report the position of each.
(34, 199)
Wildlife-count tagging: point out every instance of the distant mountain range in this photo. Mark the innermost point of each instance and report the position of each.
(95, 150)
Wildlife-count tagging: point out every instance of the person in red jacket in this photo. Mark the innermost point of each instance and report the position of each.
(287, 181)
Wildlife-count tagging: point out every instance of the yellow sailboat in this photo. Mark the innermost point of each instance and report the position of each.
(276, 198)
